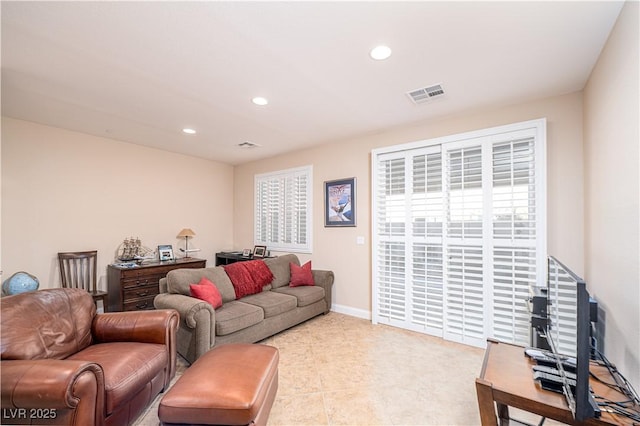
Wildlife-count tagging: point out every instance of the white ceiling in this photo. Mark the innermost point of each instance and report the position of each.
(141, 71)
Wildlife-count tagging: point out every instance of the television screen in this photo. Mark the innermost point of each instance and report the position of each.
(569, 333)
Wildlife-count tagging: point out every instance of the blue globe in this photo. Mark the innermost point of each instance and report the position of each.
(20, 282)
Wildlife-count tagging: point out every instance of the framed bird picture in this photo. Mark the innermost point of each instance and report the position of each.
(340, 202)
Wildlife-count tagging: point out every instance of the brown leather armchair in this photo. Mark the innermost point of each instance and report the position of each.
(64, 364)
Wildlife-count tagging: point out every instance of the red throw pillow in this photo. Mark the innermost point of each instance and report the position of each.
(301, 275)
(207, 291)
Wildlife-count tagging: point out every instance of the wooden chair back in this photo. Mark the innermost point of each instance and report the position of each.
(78, 270)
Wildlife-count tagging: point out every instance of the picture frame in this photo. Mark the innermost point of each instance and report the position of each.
(246, 253)
(340, 202)
(165, 252)
(259, 251)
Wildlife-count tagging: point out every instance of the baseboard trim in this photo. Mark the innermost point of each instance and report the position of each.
(354, 312)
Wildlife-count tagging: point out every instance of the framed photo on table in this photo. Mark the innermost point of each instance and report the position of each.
(165, 252)
(246, 253)
(340, 202)
(259, 251)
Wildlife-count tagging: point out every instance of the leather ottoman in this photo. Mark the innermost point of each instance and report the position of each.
(233, 384)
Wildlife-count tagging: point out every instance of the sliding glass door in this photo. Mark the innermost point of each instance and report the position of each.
(459, 233)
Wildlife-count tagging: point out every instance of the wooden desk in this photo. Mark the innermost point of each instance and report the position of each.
(226, 258)
(507, 379)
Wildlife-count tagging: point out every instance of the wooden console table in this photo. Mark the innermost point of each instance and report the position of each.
(506, 380)
(133, 289)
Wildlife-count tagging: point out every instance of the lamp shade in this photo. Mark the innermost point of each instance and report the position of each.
(186, 232)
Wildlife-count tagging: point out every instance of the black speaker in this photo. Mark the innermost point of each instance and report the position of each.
(539, 302)
(539, 318)
(593, 310)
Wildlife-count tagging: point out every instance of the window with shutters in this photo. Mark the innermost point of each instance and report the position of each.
(459, 236)
(283, 210)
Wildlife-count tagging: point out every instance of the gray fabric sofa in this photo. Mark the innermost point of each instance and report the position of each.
(248, 319)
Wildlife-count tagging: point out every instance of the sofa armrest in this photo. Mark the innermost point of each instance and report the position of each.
(162, 285)
(188, 307)
(324, 279)
(151, 326)
(51, 391)
(197, 331)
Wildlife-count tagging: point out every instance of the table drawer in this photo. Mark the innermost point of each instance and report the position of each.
(139, 304)
(139, 292)
(141, 281)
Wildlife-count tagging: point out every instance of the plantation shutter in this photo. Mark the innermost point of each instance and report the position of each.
(514, 217)
(464, 243)
(409, 250)
(459, 233)
(426, 209)
(391, 295)
(283, 210)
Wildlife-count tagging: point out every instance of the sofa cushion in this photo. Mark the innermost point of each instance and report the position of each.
(179, 280)
(280, 269)
(301, 275)
(136, 365)
(234, 316)
(46, 324)
(306, 295)
(272, 303)
(207, 291)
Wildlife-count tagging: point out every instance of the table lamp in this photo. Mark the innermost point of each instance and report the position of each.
(186, 233)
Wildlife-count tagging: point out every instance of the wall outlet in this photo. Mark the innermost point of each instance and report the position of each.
(360, 240)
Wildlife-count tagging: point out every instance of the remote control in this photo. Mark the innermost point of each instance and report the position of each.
(541, 376)
(531, 352)
(552, 362)
(551, 370)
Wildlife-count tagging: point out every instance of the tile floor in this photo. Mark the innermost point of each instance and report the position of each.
(340, 370)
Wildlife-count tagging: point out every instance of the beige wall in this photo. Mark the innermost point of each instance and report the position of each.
(612, 189)
(68, 191)
(336, 248)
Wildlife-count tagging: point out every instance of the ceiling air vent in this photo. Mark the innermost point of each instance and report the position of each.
(248, 144)
(425, 94)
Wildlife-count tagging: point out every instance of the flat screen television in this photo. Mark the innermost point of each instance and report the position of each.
(568, 333)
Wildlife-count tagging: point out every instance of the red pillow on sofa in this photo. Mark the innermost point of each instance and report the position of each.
(301, 275)
(207, 291)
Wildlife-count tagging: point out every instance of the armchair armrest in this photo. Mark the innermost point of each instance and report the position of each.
(324, 279)
(157, 326)
(51, 391)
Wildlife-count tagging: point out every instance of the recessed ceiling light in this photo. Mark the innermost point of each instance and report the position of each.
(189, 131)
(258, 100)
(380, 52)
